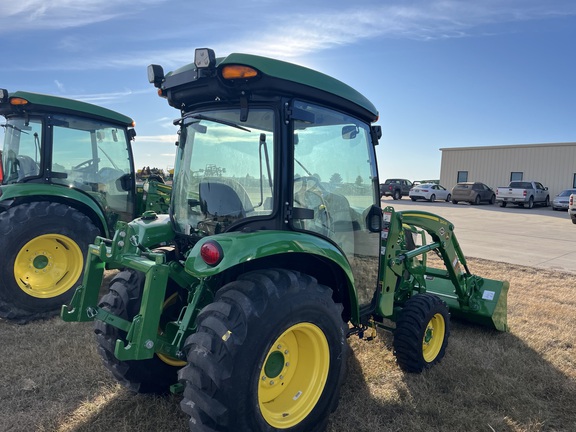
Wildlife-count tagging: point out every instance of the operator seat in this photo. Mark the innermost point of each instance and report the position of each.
(220, 200)
(27, 167)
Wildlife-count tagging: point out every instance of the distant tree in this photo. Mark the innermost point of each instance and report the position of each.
(359, 181)
(336, 179)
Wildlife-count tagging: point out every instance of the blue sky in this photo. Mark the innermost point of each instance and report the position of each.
(442, 73)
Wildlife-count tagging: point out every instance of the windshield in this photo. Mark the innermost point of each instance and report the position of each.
(224, 170)
(567, 193)
(22, 149)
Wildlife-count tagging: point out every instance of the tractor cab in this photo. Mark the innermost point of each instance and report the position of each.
(235, 174)
(48, 140)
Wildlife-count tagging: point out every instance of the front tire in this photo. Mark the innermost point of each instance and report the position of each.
(477, 200)
(44, 244)
(449, 198)
(432, 198)
(422, 332)
(268, 354)
(154, 375)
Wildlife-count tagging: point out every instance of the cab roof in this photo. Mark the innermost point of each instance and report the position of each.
(286, 77)
(39, 102)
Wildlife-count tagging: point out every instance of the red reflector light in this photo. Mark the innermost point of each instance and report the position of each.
(211, 253)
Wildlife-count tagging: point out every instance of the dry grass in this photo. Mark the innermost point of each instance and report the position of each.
(525, 380)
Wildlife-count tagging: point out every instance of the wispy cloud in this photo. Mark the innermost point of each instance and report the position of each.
(293, 35)
(59, 85)
(106, 98)
(59, 14)
(159, 139)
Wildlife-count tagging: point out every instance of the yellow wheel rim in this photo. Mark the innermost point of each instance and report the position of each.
(433, 337)
(48, 265)
(171, 361)
(293, 376)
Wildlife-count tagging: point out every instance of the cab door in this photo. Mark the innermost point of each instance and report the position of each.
(334, 177)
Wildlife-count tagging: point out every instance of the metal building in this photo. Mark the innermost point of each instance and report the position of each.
(553, 165)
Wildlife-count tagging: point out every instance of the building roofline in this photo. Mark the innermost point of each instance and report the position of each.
(564, 144)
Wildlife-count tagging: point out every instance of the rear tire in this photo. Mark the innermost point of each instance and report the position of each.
(397, 195)
(45, 245)
(142, 376)
(574, 220)
(269, 353)
(422, 332)
(530, 202)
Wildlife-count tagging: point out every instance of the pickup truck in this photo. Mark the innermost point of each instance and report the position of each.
(572, 208)
(521, 193)
(396, 188)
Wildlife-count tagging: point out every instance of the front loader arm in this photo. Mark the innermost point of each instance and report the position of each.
(404, 270)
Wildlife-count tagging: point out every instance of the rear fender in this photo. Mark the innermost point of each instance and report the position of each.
(240, 248)
(28, 192)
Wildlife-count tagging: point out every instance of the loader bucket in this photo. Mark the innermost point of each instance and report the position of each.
(487, 308)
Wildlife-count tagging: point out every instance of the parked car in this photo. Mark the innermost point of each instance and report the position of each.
(560, 201)
(473, 192)
(523, 193)
(396, 188)
(430, 192)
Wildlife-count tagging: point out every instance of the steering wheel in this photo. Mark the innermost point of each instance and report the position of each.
(82, 166)
(311, 195)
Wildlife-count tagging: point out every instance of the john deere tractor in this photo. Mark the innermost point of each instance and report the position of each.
(66, 176)
(275, 251)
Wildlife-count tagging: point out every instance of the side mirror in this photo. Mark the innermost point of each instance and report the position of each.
(374, 219)
(349, 132)
(124, 183)
(376, 133)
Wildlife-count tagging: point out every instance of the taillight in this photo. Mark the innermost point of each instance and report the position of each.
(571, 199)
(211, 252)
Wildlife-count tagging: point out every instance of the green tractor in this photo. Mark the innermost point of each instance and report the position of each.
(275, 250)
(66, 176)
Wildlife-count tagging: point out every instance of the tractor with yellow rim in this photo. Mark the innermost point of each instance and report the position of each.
(275, 251)
(66, 176)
